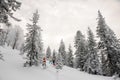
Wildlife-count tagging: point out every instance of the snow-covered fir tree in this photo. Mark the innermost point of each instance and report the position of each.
(2, 37)
(62, 52)
(7, 7)
(70, 57)
(48, 52)
(59, 61)
(39, 46)
(32, 48)
(54, 55)
(81, 50)
(4, 30)
(109, 48)
(7, 28)
(92, 62)
(39, 41)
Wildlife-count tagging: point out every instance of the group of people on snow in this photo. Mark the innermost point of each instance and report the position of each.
(51, 61)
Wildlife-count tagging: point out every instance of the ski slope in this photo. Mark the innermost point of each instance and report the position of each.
(12, 69)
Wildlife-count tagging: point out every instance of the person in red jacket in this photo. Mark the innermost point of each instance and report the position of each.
(44, 62)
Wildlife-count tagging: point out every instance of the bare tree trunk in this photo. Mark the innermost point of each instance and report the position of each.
(16, 39)
(14, 44)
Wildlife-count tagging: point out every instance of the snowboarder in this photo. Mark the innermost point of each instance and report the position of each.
(44, 62)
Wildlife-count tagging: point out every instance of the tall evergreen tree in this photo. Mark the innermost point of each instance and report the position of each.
(7, 7)
(81, 50)
(62, 52)
(7, 30)
(2, 37)
(59, 61)
(39, 41)
(109, 45)
(92, 62)
(70, 57)
(54, 57)
(48, 53)
(31, 45)
(54, 54)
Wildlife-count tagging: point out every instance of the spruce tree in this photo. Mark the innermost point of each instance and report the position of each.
(70, 57)
(81, 50)
(108, 45)
(2, 37)
(92, 62)
(31, 45)
(8, 26)
(54, 54)
(54, 57)
(48, 53)
(59, 62)
(62, 52)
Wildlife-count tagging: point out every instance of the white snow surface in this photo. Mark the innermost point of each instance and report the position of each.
(12, 69)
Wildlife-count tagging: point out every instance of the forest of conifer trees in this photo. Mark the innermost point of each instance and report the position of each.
(97, 54)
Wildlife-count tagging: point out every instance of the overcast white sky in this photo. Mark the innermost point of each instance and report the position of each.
(60, 19)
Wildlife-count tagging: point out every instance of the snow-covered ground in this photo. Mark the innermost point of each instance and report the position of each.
(12, 69)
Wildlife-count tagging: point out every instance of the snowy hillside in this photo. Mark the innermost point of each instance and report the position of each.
(12, 69)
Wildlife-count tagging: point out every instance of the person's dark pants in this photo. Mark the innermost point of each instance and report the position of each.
(53, 62)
